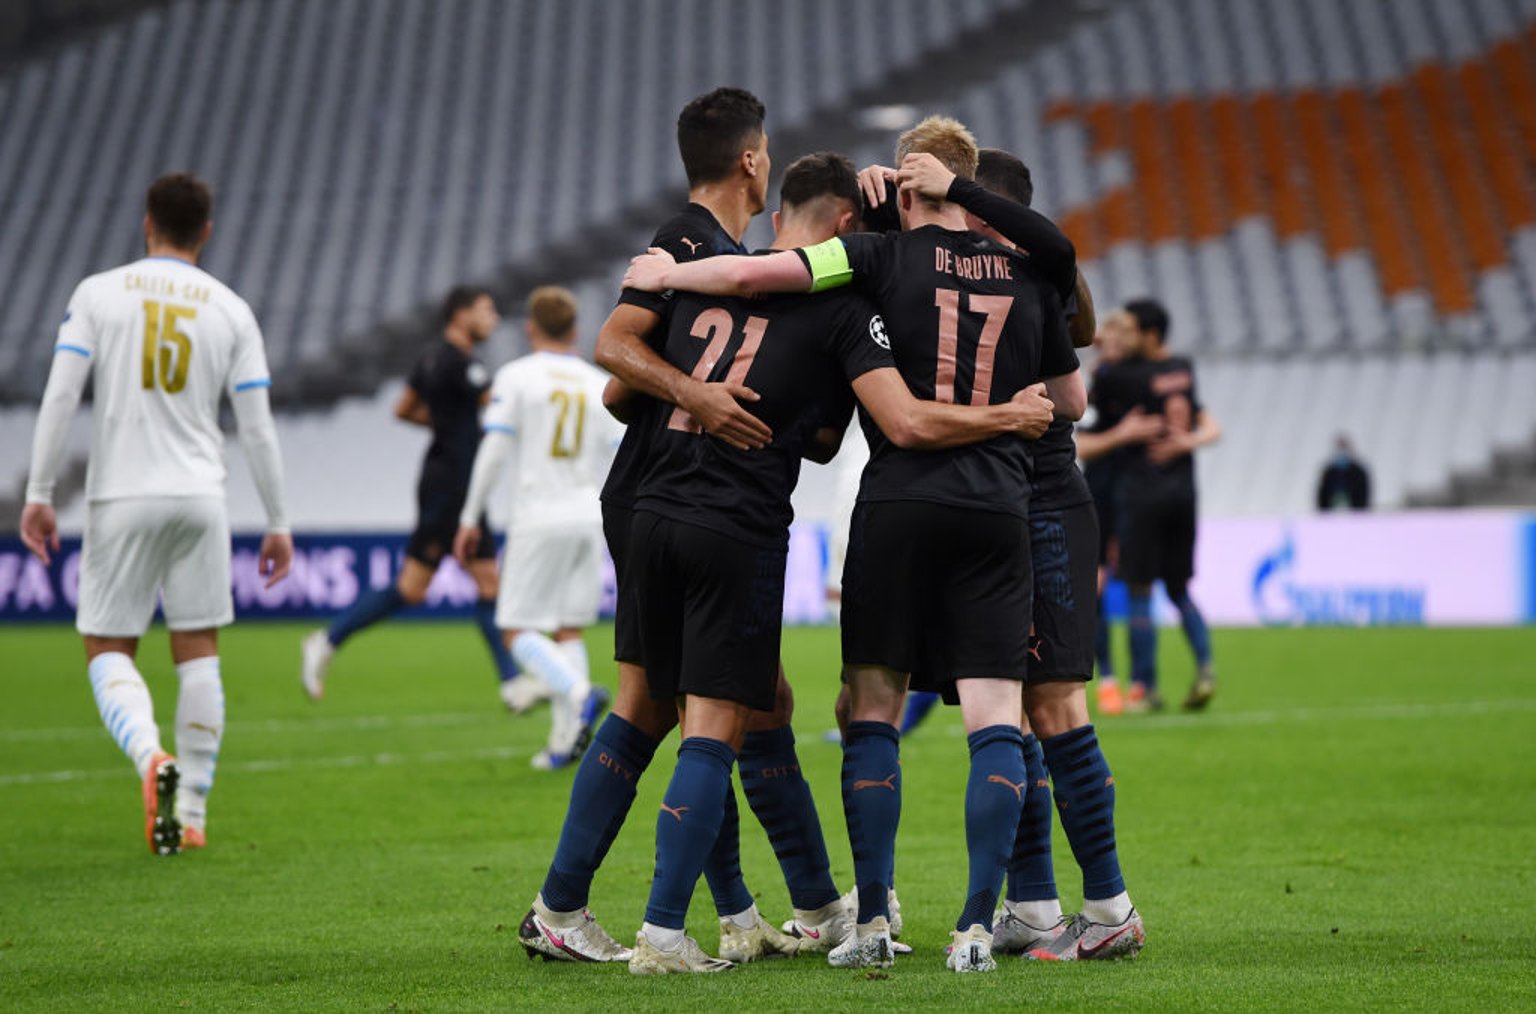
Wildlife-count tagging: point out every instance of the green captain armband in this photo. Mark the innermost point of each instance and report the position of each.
(828, 263)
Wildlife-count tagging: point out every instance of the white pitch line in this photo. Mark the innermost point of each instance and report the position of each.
(124, 772)
(282, 725)
(1278, 716)
(1154, 723)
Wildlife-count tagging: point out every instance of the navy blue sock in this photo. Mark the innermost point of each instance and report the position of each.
(872, 807)
(722, 867)
(687, 826)
(370, 608)
(1101, 653)
(1031, 875)
(1085, 798)
(1195, 630)
(1143, 641)
(778, 794)
(601, 797)
(994, 794)
(919, 703)
(485, 619)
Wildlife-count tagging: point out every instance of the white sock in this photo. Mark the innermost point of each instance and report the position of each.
(745, 919)
(662, 938)
(541, 656)
(199, 728)
(1108, 911)
(1039, 914)
(575, 653)
(123, 699)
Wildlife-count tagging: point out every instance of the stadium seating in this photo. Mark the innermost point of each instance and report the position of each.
(1336, 201)
(370, 153)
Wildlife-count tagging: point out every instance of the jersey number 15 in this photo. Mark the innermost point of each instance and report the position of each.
(166, 348)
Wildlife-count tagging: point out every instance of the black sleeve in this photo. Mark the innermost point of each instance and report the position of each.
(886, 217)
(671, 238)
(871, 257)
(1049, 249)
(859, 342)
(1057, 356)
(417, 381)
(1195, 407)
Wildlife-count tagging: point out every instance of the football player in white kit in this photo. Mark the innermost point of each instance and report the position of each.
(546, 419)
(166, 340)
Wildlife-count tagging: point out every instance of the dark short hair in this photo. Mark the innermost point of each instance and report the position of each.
(1150, 315)
(821, 174)
(461, 297)
(714, 129)
(1005, 173)
(179, 205)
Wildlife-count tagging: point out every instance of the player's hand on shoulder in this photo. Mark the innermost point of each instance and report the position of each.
(872, 180)
(647, 272)
(466, 542)
(1035, 411)
(717, 408)
(276, 556)
(40, 530)
(924, 174)
(1138, 427)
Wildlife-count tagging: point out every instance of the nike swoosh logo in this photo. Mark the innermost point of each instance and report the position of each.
(1087, 953)
(807, 932)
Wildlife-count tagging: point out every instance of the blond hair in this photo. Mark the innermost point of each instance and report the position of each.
(553, 311)
(946, 139)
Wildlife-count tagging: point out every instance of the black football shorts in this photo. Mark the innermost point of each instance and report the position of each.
(1063, 549)
(937, 591)
(626, 626)
(439, 500)
(710, 611)
(1157, 540)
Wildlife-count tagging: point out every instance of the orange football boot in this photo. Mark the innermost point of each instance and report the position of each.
(161, 828)
(1110, 700)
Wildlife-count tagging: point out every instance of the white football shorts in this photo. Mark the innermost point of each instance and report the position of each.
(177, 546)
(551, 578)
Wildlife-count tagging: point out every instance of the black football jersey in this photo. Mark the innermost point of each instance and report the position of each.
(969, 322)
(691, 234)
(452, 384)
(798, 353)
(1164, 387)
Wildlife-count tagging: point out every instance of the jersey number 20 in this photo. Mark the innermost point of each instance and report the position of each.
(166, 348)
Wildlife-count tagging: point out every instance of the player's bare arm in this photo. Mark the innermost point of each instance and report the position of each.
(412, 409)
(1174, 445)
(1137, 427)
(623, 351)
(913, 424)
(1084, 324)
(619, 400)
(1069, 394)
(731, 275)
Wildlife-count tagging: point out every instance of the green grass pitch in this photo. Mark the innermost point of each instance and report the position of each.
(1353, 824)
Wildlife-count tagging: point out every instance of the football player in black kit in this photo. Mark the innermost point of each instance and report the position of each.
(444, 392)
(938, 572)
(1059, 740)
(1156, 500)
(711, 525)
(724, 151)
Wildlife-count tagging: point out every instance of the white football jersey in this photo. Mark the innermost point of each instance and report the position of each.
(552, 404)
(166, 340)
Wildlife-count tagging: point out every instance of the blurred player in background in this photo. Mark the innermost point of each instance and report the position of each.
(1157, 500)
(712, 528)
(724, 151)
(546, 418)
(166, 340)
(445, 392)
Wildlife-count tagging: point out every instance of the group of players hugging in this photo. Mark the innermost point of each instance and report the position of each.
(927, 297)
(930, 298)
